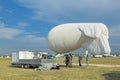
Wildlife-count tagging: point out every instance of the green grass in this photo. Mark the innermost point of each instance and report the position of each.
(111, 61)
(74, 73)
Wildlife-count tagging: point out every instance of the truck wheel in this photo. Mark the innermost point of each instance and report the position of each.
(57, 67)
(22, 66)
(26, 66)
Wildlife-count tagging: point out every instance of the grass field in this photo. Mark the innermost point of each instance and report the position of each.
(74, 73)
(110, 61)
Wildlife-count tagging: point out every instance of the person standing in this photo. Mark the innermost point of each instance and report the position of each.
(70, 60)
(87, 59)
(67, 60)
(80, 60)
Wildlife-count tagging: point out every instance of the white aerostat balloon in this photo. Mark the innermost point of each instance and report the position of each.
(71, 36)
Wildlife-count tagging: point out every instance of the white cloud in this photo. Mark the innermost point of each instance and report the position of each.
(22, 24)
(115, 38)
(115, 31)
(21, 42)
(24, 42)
(33, 39)
(2, 25)
(8, 33)
(58, 10)
(59, 5)
(28, 42)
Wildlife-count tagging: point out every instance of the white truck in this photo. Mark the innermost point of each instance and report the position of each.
(38, 60)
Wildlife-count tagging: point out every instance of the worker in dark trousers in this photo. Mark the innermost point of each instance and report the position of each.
(67, 60)
(70, 59)
(87, 59)
(80, 60)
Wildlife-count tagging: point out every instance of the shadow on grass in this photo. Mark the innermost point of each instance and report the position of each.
(73, 66)
(115, 75)
(20, 67)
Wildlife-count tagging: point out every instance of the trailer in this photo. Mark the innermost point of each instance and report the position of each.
(38, 60)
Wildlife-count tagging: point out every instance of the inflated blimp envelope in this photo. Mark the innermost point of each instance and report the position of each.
(71, 36)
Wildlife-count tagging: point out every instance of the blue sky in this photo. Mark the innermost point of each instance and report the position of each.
(24, 24)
